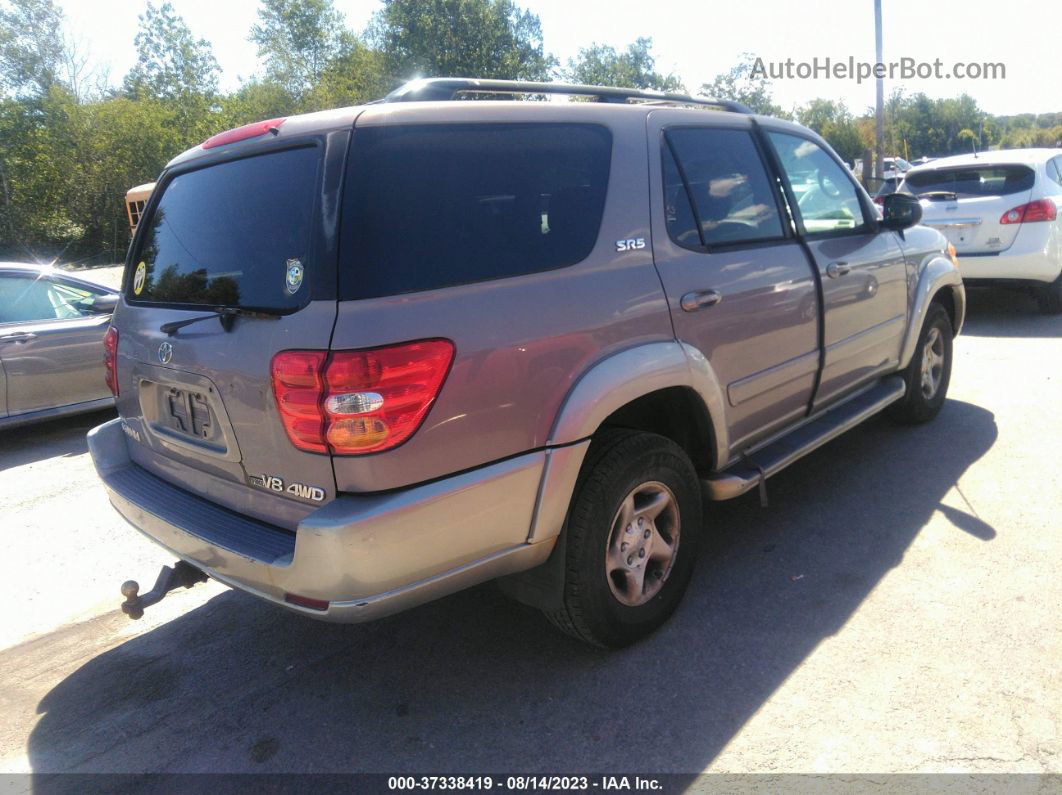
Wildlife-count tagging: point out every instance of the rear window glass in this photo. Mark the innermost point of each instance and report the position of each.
(429, 206)
(972, 181)
(232, 234)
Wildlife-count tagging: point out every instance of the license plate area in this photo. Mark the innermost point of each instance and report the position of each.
(187, 415)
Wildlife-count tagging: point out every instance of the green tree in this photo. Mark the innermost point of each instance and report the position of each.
(357, 75)
(298, 39)
(460, 38)
(31, 47)
(171, 65)
(742, 84)
(833, 122)
(635, 67)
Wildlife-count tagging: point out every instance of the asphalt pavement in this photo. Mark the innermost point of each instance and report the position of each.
(895, 609)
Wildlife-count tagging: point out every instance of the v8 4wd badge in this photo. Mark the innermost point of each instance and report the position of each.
(274, 483)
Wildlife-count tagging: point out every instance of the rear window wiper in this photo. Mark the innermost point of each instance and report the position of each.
(226, 314)
(939, 196)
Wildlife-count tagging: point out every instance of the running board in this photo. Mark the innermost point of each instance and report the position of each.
(747, 474)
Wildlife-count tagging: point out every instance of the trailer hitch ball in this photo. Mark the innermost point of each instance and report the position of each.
(181, 575)
(131, 606)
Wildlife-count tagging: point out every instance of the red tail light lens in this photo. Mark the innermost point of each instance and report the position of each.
(298, 386)
(356, 402)
(110, 359)
(242, 133)
(1039, 210)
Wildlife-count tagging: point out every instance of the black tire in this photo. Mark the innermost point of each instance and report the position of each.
(619, 464)
(915, 406)
(1049, 296)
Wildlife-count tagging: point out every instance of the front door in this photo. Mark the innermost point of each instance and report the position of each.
(51, 344)
(862, 269)
(738, 283)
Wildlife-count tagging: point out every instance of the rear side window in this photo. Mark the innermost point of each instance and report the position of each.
(714, 180)
(972, 181)
(430, 206)
(234, 234)
(1054, 170)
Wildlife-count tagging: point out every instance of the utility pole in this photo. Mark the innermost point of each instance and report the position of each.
(879, 120)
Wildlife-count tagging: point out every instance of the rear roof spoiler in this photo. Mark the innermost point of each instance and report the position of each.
(448, 88)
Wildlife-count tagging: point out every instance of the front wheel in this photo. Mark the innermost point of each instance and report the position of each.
(929, 373)
(631, 538)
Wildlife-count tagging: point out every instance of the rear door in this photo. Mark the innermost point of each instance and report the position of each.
(740, 287)
(862, 270)
(968, 203)
(251, 229)
(51, 343)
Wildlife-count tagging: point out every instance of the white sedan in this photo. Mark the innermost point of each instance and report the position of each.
(1002, 211)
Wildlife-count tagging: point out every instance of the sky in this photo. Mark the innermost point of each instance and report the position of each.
(697, 39)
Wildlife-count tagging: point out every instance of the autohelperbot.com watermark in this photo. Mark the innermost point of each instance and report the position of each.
(849, 68)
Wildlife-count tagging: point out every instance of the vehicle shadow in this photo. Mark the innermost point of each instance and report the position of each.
(476, 683)
(49, 439)
(1007, 312)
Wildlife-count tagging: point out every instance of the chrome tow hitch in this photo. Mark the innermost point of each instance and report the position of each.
(182, 574)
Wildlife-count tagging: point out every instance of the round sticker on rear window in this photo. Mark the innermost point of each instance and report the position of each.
(139, 277)
(293, 277)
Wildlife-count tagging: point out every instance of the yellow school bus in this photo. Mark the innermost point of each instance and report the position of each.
(135, 199)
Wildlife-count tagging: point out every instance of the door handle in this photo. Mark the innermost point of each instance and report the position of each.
(699, 299)
(20, 336)
(836, 269)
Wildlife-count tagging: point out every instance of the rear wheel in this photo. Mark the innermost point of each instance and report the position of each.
(631, 538)
(1049, 297)
(929, 373)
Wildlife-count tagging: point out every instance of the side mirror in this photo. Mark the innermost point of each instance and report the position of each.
(900, 211)
(104, 304)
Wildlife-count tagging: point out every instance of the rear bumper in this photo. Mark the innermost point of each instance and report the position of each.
(368, 556)
(1034, 256)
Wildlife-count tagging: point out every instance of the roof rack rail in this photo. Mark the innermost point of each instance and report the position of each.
(447, 88)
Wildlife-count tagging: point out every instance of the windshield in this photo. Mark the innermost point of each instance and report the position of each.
(233, 234)
(971, 181)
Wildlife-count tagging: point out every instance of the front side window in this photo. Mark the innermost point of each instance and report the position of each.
(233, 234)
(431, 206)
(826, 197)
(25, 299)
(716, 189)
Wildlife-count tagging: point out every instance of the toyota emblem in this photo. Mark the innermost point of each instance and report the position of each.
(165, 352)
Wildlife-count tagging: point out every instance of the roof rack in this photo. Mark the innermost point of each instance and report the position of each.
(447, 88)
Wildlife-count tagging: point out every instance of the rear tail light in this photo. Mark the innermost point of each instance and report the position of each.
(110, 359)
(356, 402)
(1039, 210)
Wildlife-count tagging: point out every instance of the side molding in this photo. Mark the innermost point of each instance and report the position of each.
(938, 274)
(628, 375)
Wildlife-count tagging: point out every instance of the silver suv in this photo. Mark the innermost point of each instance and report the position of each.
(367, 357)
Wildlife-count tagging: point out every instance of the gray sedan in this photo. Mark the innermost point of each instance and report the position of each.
(51, 344)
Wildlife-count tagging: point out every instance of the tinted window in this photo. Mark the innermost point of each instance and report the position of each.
(1054, 170)
(825, 194)
(228, 235)
(24, 299)
(972, 181)
(726, 181)
(430, 206)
